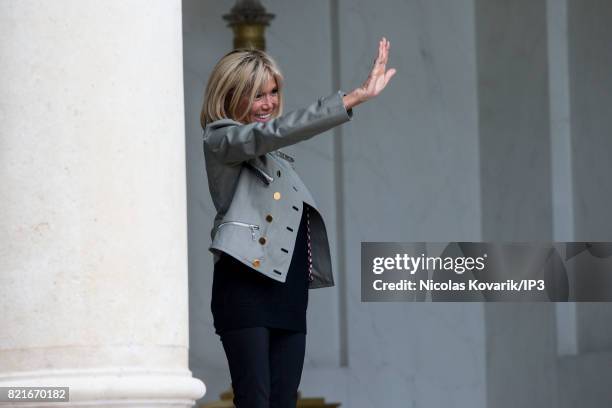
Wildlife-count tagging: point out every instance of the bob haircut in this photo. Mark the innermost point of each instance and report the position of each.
(240, 73)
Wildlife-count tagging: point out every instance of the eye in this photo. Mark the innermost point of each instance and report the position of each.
(275, 91)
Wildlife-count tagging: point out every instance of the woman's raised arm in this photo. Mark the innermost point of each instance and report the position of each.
(232, 142)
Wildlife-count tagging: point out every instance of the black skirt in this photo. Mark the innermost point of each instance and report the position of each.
(243, 297)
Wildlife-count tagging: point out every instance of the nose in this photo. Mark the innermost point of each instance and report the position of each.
(268, 101)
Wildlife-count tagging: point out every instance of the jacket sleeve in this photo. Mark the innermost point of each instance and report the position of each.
(234, 142)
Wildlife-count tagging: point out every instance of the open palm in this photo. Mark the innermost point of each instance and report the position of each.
(379, 76)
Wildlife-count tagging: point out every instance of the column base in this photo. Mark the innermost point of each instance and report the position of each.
(112, 387)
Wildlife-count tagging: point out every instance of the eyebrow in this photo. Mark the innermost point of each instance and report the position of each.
(261, 93)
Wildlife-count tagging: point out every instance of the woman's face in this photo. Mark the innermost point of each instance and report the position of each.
(264, 105)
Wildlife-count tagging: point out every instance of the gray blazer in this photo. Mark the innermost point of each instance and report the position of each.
(258, 195)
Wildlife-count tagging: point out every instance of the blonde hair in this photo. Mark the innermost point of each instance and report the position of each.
(242, 72)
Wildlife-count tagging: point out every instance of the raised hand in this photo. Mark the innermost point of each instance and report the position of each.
(377, 80)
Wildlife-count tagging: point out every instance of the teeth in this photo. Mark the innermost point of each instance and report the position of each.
(263, 116)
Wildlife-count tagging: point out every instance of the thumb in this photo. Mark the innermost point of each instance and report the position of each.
(390, 73)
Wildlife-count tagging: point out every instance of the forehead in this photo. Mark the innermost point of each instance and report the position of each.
(268, 84)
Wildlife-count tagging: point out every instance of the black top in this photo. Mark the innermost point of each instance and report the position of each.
(243, 297)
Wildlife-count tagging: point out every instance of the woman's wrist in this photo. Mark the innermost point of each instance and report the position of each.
(353, 99)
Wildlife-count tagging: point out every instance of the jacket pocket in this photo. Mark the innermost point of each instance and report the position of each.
(252, 227)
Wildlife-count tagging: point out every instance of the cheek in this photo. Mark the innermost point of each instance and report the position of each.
(274, 102)
(255, 108)
(242, 107)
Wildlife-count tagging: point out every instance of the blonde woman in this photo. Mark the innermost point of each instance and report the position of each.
(269, 240)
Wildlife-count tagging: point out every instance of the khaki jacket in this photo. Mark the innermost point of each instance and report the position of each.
(259, 197)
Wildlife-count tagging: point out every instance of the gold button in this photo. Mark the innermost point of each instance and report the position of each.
(269, 218)
(255, 263)
(262, 240)
(277, 195)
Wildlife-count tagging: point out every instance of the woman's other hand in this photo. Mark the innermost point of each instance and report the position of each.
(377, 80)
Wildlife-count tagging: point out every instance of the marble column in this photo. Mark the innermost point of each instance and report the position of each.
(93, 235)
(590, 82)
(585, 373)
(515, 153)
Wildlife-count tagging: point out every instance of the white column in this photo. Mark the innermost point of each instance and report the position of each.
(93, 251)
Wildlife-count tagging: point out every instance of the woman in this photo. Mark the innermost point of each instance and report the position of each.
(269, 239)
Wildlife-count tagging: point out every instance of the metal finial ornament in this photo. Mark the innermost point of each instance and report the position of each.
(248, 19)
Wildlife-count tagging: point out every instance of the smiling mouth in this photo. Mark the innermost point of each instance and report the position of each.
(264, 116)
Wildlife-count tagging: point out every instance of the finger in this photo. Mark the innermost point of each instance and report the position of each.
(385, 52)
(385, 55)
(375, 63)
(390, 73)
(379, 57)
